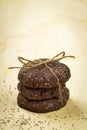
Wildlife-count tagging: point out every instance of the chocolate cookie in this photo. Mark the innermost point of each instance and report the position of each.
(41, 106)
(42, 77)
(41, 94)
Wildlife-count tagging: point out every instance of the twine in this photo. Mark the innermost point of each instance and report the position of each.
(31, 64)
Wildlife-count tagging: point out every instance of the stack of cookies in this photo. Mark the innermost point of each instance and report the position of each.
(39, 89)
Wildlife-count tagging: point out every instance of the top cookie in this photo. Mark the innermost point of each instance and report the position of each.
(42, 77)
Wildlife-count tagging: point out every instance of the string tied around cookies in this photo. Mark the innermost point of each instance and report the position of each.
(31, 64)
(39, 62)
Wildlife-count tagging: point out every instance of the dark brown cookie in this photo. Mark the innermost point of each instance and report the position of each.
(40, 106)
(41, 77)
(41, 94)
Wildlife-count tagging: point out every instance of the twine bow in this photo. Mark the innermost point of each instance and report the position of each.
(39, 62)
(31, 64)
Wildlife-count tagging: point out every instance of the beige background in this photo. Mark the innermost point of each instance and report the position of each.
(43, 28)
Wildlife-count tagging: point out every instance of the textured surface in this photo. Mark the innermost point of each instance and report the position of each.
(42, 106)
(41, 77)
(41, 94)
